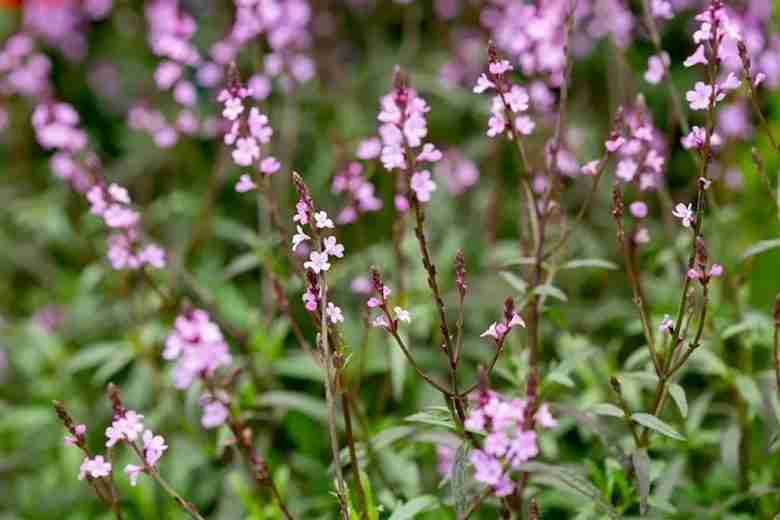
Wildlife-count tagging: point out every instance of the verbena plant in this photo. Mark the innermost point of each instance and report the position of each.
(263, 272)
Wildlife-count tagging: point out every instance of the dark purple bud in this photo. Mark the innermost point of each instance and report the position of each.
(460, 273)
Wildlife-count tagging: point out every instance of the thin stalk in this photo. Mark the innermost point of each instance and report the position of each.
(353, 458)
(188, 507)
(330, 391)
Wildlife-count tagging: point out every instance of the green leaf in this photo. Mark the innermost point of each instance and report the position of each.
(641, 463)
(606, 409)
(415, 507)
(590, 262)
(460, 480)
(749, 390)
(514, 281)
(550, 290)
(242, 264)
(435, 415)
(774, 442)
(760, 247)
(569, 479)
(94, 355)
(654, 423)
(306, 404)
(678, 394)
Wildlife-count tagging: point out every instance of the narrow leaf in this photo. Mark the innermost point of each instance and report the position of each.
(415, 507)
(589, 262)
(654, 423)
(678, 394)
(642, 470)
(606, 409)
(760, 247)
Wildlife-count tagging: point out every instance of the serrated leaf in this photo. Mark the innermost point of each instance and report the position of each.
(415, 507)
(678, 394)
(551, 291)
(641, 463)
(656, 424)
(589, 262)
(760, 247)
(606, 409)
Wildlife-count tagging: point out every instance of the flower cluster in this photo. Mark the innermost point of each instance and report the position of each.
(62, 25)
(380, 300)
(360, 192)
(499, 329)
(126, 249)
(22, 70)
(531, 33)
(507, 110)
(403, 130)
(199, 350)
(716, 38)
(510, 438)
(458, 172)
(127, 427)
(701, 269)
(639, 148)
(181, 66)
(248, 132)
(285, 27)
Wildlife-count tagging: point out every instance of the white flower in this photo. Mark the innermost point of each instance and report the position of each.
(298, 238)
(402, 315)
(332, 248)
(318, 262)
(684, 213)
(334, 313)
(321, 220)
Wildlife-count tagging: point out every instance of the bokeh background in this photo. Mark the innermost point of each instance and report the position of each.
(69, 323)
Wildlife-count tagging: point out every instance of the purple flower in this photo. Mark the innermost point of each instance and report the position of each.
(245, 184)
(215, 413)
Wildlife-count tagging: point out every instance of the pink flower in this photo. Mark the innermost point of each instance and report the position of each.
(591, 168)
(402, 314)
(517, 99)
(133, 472)
(369, 149)
(333, 248)
(233, 108)
(483, 84)
(380, 321)
(656, 68)
(525, 125)
(544, 417)
(699, 97)
(731, 82)
(95, 468)
(154, 447)
(246, 152)
(499, 67)
(299, 237)
(258, 126)
(638, 209)
(614, 143)
(662, 9)
(716, 270)
(626, 170)
(684, 213)
(245, 184)
(422, 185)
(334, 313)
(429, 153)
(215, 413)
(310, 300)
(318, 262)
(698, 57)
(373, 302)
(322, 221)
(270, 165)
(667, 324)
